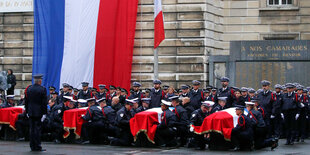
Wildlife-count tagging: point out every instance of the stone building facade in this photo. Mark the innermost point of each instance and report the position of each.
(195, 31)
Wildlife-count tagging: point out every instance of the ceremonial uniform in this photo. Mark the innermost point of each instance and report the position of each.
(290, 111)
(267, 99)
(125, 137)
(36, 107)
(182, 123)
(196, 97)
(85, 94)
(96, 124)
(242, 134)
(53, 123)
(229, 93)
(166, 130)
(156, 97)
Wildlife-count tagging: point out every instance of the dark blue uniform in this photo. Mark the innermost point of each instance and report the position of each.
(266, 100)
(125, 137)
(36, 107)
(242, 134)
(95, 124)
(138, 95)
(156, 97)
(182, 123)
(166, 130)
(259, 129)
(101, 95)
(53, 123)
(276, 122)
(229, 93)
(290, 109)
(196, 119)
(85, 95)
(302, 119)
(196, 98)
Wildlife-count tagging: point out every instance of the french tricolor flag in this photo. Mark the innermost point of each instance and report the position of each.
(84, 40)
(159, 30)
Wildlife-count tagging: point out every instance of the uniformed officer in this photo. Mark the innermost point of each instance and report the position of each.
(221, 104)
(276, 119)
(53, 123)
(290, 112)
(64, 92)
(196, 95)
(259, 128)
(135, 107)
(156, 94)
(85, 93)
(109, 116)
(9, 102)
(69, 103)
(94, 118)
(136, 92)
(226, 91)
(207, 95)
(302, 119)
(251, 93)
(182, 122)
(102, 92)
(244, 94)
(22, 127)
(36, 109)
(196, 119)
(266, 100)
(165, 92)
(123, 116)
(165, 135)
(242, 134)
(51, 90)
(145, 104)
(214, 94)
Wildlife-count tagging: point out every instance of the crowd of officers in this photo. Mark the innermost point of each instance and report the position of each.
(264, 115)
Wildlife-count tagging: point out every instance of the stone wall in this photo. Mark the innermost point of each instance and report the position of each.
(16, 45)
(195, 29)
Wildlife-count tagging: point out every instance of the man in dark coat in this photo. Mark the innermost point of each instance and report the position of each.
(182, 122)
(242, 134)
(165, 135)
(196, 95)
(226, 91)
(267, 99)
(156, 94)
(85, 93)
(123, 116)
(36, 109)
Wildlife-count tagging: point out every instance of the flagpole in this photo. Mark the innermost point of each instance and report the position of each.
(155, 63)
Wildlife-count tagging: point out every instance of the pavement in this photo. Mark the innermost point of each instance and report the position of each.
(18, 148)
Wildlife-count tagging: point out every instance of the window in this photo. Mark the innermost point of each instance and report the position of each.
(280, 2)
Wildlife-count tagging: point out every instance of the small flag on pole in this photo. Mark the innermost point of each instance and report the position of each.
(159, 31)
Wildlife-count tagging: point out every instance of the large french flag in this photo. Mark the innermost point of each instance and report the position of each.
(84, 40)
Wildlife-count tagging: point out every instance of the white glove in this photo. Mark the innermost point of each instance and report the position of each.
(307, 117)
(282, 115)
(302, 105)
(297, 115)
(27, 115)
(272, 117)
(82, 115)
(191, 129)
(43, 118)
